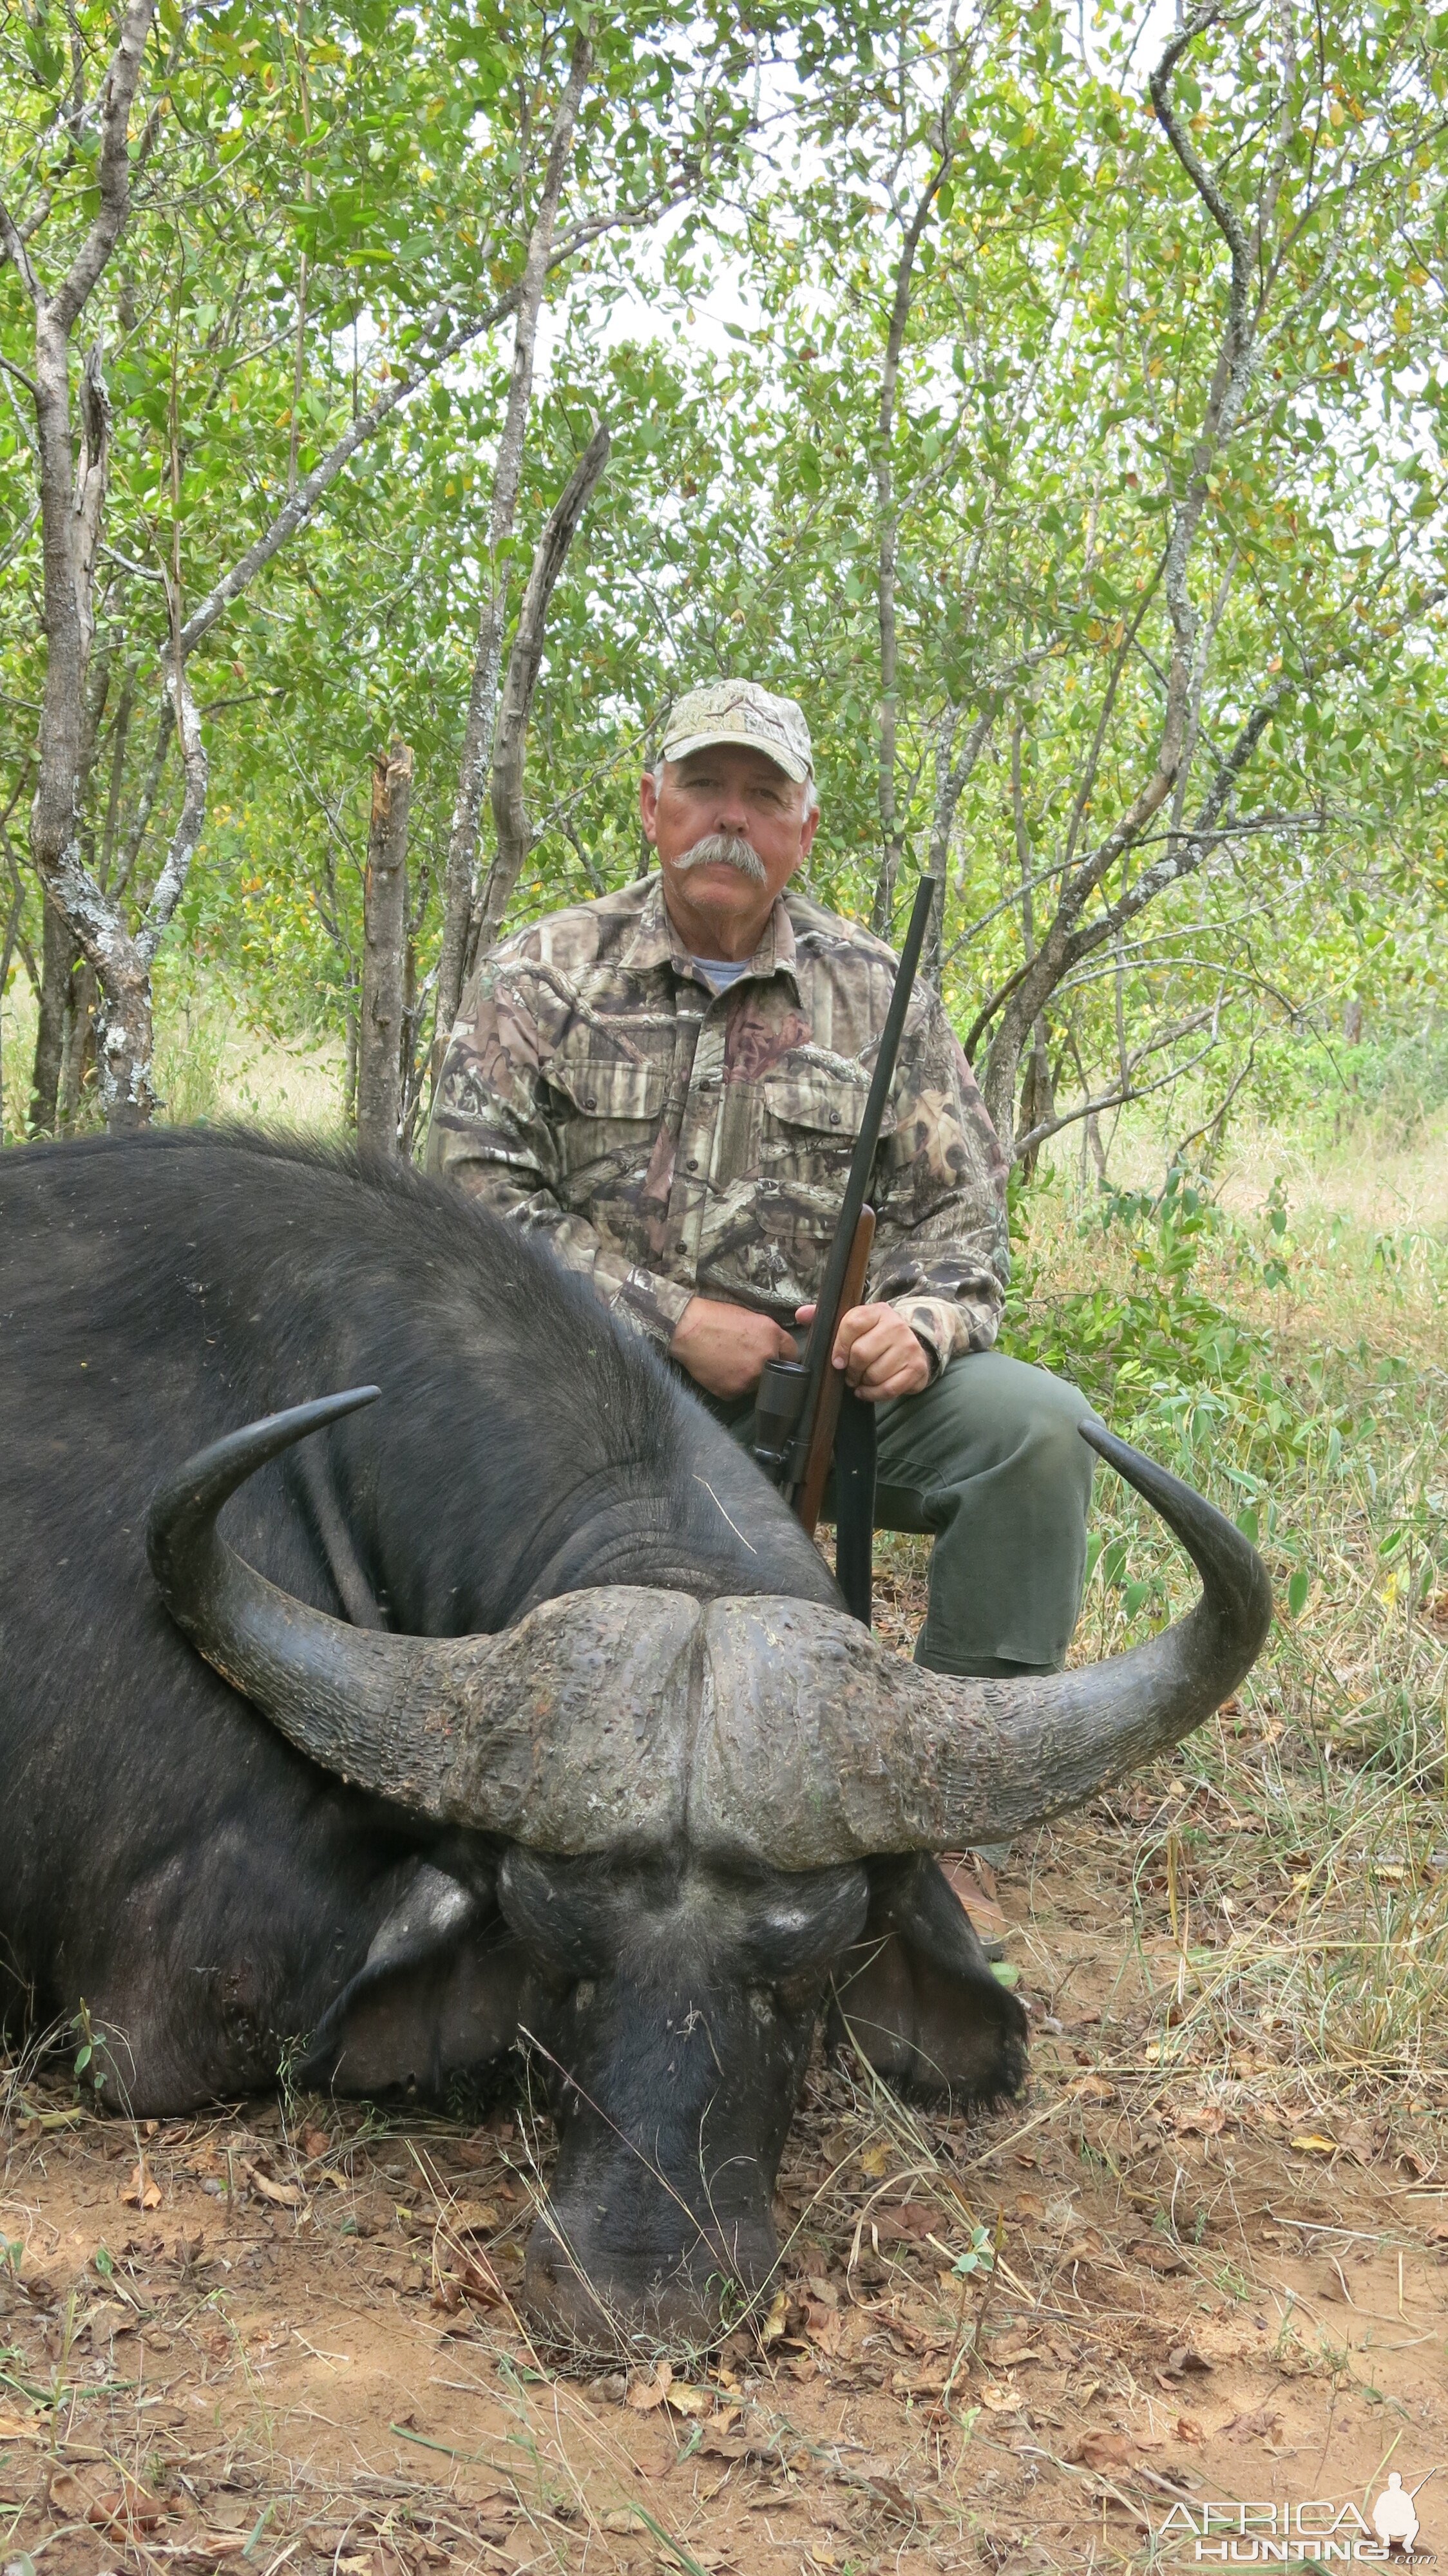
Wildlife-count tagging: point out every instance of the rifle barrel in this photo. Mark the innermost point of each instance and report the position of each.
(822, 1331)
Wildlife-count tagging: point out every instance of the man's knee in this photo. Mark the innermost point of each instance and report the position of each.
(1007, 1413)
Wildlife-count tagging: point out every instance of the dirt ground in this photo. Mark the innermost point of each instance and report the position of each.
(1173, 2274)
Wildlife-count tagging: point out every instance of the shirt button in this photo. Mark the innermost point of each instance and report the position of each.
(692, 1164)
(834, 1116)
(591, 1102)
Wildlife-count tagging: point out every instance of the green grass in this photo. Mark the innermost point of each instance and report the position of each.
(1290, 1365)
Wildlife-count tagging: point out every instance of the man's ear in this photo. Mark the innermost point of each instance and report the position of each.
(808, 829)
(649, 806)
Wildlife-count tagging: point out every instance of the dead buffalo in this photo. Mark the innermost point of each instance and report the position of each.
(510, 1703)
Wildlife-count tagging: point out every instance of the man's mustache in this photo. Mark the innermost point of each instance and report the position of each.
(724, 850)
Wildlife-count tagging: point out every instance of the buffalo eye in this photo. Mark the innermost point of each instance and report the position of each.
(804, 1926)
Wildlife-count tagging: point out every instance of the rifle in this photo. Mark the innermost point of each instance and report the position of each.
(804, 1404)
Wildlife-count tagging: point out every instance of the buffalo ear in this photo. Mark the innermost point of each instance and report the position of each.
(917, 1996)
(435, 1998)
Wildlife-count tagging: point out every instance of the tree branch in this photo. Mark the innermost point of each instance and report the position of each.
(170, 885)
(510, 817)
(1126, 1093)
(114, 174)
(478, 729)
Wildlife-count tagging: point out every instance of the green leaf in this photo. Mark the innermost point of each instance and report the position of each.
(1297, 1591)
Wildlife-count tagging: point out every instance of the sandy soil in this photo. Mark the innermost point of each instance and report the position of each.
(291, 2341)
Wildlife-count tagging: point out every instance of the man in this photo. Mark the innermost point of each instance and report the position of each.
(666, 1084)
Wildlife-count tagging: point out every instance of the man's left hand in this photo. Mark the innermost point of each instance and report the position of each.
(877, 1350)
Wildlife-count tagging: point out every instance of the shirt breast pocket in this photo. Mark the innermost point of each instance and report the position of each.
(606, 1114)
(812, 1119)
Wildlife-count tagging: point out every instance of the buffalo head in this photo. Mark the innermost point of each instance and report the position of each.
(685, 1812)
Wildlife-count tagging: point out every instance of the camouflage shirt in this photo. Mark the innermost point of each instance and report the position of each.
(665, 1139)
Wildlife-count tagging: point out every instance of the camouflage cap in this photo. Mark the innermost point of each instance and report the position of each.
(740, 711)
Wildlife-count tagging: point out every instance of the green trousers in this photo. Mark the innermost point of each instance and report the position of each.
(987, 1462)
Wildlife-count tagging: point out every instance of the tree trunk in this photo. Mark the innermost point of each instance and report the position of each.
(510, 817)
(384, 939)
(72, 504)
(887, 529)
(59, 951)
(349, 1071)
(7, 950)
(78, 1054)
(477, 756)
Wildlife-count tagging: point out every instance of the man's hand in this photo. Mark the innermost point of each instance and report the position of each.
(877, 1350)
(724, 1347)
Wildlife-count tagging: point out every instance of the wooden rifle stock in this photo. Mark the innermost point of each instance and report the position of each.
(809, 1497)
(798, 1407)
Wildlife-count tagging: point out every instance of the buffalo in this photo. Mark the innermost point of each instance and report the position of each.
(397, 1664)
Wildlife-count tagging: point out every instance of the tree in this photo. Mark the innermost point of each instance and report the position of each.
(266, 242)
(1139, 534)
(917, 347)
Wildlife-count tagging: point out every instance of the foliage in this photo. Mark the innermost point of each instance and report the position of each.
(319, 190)
(1186, 1331)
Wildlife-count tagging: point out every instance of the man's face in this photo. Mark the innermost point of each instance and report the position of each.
(739, 795)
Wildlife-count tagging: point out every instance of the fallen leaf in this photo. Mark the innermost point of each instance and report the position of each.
(931, 2383)
(1314, 2145)
(142, 2191)
(999, 2398)
(1092, 2088)
(825, 2327)
(687, 2400)
(69, 2496)
(777, 2319)
(124, 2516)
(646, 2395)
(282, 2195)
(622, 2518)
(480, 2218)
(1187, 2429)
(1209, 2122)
(1260, 2426)
(314, 2142)
(903, 2223)
(876, 2161)
(1158, 2255)
(1101, 2451)
(1184, 2357)
(719, 2444)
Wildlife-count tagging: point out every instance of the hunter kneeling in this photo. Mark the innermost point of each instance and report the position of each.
(666, 1084)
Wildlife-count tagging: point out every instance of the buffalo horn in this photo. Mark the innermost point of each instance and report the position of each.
(566, 1727)
(822, 1746)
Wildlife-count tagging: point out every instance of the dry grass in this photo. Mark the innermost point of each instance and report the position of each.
(211, 1064)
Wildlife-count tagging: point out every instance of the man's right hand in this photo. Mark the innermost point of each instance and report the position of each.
(724, 1348)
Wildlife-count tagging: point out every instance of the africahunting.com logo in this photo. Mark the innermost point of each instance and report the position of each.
(1282, 2534)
